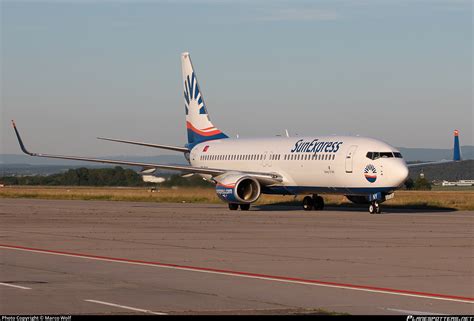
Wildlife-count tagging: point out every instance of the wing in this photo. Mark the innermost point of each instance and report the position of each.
(456, 155)
(414, 165)
(266, 178)
(174, 148)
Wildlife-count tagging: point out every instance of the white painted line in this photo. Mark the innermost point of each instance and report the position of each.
(431, 296)
(414, 312)
(125, 307)
(15, 286)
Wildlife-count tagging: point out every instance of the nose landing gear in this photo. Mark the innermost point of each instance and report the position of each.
(313, 203)
(374, 208)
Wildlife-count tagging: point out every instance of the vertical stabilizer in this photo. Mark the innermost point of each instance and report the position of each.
(198, 123)
(457, 150)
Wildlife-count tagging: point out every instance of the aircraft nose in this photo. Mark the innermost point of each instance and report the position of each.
(402, 172)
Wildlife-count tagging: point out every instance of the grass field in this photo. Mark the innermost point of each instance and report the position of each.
(448, 199)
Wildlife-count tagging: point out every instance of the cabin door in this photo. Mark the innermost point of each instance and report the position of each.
(350, 158)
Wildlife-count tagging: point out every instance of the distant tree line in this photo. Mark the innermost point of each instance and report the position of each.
(116, 176)
(193, 181)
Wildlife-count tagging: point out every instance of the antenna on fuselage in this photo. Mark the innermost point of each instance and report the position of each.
(286, 133)
(237, 136)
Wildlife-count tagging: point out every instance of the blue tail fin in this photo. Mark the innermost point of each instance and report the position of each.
(457, 150)
(198, 123)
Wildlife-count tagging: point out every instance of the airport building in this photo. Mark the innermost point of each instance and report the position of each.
(462, 182)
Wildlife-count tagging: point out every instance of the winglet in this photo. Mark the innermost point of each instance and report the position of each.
(456, 150)
(22, 146)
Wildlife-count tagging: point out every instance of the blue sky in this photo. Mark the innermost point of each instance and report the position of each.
(73, 70)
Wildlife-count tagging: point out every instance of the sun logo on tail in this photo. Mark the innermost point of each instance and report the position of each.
(370, 173)
(192, 96)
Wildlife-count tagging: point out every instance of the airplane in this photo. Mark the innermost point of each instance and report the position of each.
(365, 170)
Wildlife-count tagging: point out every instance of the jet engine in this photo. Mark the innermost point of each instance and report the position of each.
(237, 188)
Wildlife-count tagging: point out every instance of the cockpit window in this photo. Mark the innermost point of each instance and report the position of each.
(376, 155)
(373, 155)
(386, 155)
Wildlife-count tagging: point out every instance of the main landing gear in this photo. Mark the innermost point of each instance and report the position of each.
(374, 208)
(243, 207)
(314, 202)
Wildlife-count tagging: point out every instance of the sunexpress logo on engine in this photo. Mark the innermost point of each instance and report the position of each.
(315, 146)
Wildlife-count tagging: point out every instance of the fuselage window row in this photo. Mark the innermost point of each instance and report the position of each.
(272, 157)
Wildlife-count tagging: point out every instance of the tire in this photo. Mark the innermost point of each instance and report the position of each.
(233, 207)
(244, 207)
(371, 209)
(318, 203)
(378, 209)
(308, 203)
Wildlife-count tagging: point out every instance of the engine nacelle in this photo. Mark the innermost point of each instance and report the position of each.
(237, 188)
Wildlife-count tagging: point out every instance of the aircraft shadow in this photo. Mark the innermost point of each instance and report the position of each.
(386, 209)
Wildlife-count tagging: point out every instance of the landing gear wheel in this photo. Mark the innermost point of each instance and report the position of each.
(371, 209)
(378, 209)
(244, 207)
(374, 208)
(308, 203)
(318, 203)
(233, 207)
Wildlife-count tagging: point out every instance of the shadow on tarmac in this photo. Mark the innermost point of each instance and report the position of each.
(386, 209)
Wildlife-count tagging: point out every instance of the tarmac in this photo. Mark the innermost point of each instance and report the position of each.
(102, 257)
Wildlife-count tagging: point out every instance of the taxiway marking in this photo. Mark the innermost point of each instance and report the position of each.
(414, 312)
(346, 286)
(15, 286)
(125, 307)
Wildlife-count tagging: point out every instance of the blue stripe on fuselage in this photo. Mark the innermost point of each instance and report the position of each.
(295, 190)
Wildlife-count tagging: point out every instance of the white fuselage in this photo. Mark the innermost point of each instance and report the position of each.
(324, 164)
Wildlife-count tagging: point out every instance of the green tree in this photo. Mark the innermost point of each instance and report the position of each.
(422, 183)
(409, 183)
